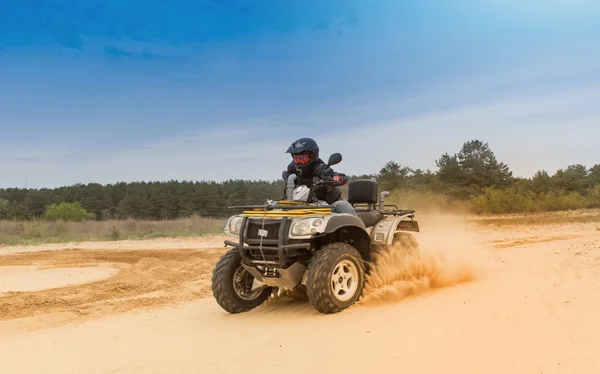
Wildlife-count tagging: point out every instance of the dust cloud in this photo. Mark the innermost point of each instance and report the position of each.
(444, 254)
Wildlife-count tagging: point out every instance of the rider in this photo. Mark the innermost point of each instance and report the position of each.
(306, 164)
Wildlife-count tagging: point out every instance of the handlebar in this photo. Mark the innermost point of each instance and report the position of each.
(335, 180)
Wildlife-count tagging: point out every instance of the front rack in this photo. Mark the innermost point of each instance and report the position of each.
(284, 209)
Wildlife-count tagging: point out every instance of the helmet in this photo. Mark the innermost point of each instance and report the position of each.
(305, 153)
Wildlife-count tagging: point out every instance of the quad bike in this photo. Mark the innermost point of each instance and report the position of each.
(301, 242)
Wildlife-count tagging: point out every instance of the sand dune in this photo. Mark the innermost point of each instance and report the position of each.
(480, 300)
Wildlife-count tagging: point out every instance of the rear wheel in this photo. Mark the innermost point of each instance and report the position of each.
(232, 285)
(336, 277)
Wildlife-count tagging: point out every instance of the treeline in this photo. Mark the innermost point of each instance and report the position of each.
(140, 200)
(473, 176)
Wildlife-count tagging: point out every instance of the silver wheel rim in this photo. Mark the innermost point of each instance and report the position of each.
(242, 285)
(344, 280)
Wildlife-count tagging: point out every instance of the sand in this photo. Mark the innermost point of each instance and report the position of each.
(31, 278)
(208, 241)
(495, 299)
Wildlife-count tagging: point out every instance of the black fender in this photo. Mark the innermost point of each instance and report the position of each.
(338, 221)
(350, 229)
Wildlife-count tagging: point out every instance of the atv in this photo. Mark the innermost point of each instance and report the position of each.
(300, 242)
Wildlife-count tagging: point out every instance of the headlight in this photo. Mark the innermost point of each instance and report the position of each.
(307, 226)
(233, 225)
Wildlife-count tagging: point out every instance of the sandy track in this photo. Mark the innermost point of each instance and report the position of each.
(209, 241)
(146, 278)
(518, 299)
(33, 278)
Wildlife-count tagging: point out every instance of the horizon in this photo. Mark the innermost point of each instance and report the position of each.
(125, 91)
(272, 180)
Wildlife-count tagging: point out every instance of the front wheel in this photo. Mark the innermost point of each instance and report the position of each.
(232, 285)
(336, 277)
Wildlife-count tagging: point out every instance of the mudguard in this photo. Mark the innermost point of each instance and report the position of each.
(341, 220)
(355, 228)
(383, 232)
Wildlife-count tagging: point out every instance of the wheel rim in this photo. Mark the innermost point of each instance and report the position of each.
(344, 280)
(242, 284)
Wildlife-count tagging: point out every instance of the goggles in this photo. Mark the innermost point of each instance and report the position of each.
(301, 159)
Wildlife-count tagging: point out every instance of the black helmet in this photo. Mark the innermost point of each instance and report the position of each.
(305, 152)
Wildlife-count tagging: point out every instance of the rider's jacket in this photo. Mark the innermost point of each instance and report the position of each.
(320, 170)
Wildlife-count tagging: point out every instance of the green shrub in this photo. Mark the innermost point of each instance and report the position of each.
(555, 201)
(511, 200)
(593, 196)
(67, 212)
(514, 200)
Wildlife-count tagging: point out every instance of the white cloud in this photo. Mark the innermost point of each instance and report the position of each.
(529, 133)
(528, 130)
(548, 131)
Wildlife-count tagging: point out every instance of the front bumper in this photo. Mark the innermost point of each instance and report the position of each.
(274, 248)
(274, 251)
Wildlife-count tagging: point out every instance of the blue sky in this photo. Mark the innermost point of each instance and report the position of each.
(122, 90)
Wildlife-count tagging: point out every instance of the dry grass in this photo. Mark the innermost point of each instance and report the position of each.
(38, 232)
(427, 203)
(546, 218)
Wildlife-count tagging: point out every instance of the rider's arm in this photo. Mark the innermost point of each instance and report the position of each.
(323, 171)
(326, 171)
(290, 170)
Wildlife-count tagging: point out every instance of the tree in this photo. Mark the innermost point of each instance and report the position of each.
(573, 178)
(542, 182)
(480, 166)
(4, 209)
(461, 175)
(135, 203)
(393, 175)
(593, 176)
(450, 170)
(36, 201)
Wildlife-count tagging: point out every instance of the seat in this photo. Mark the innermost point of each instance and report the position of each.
(370, 217)
(362, 191)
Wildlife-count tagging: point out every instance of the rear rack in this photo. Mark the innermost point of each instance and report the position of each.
(398, 212)
(395, 211)
(280, 207)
